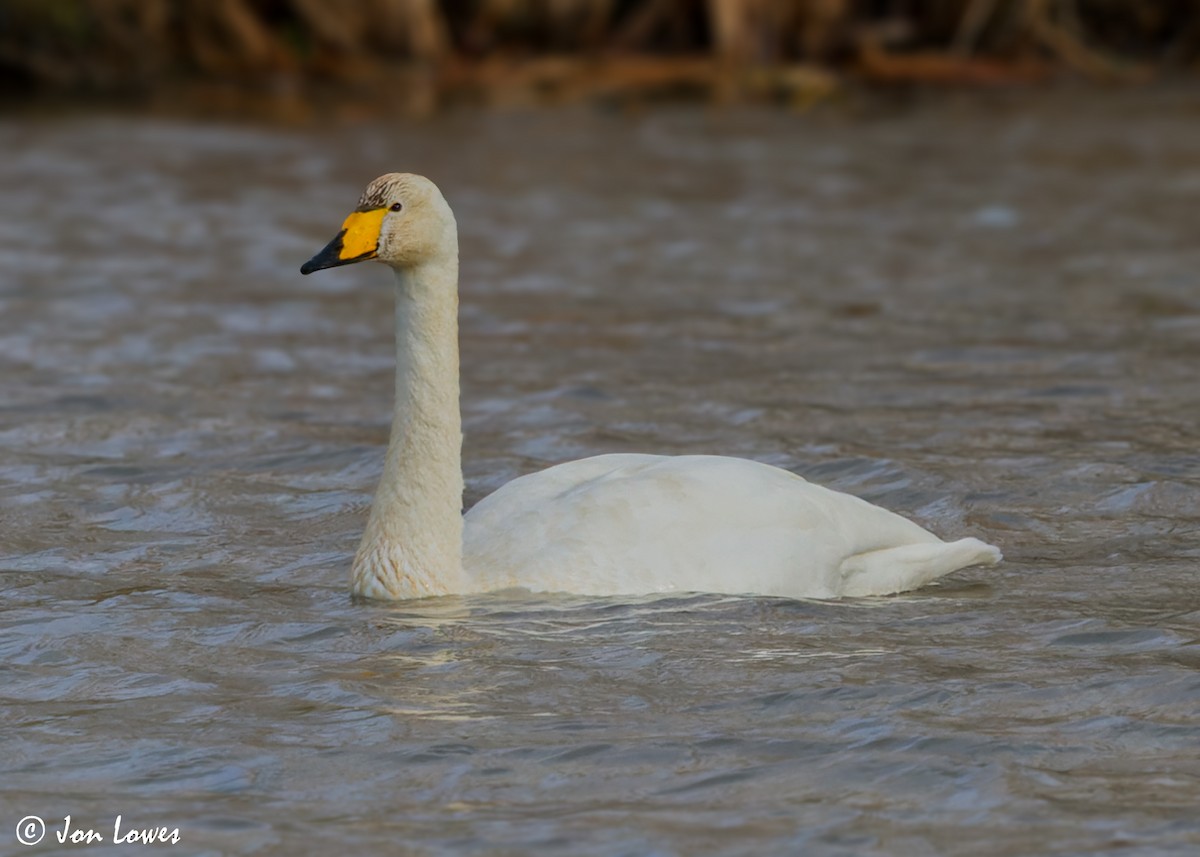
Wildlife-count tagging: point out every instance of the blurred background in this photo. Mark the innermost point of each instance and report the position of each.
(423, 54)
(941, 254)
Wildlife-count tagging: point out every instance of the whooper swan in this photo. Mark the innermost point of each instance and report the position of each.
(608, 525)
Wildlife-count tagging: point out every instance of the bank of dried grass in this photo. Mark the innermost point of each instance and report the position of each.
(514, 50)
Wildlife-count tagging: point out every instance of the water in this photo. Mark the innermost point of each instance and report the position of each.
(981, 315)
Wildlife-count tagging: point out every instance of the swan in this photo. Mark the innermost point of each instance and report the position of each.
(607, 525)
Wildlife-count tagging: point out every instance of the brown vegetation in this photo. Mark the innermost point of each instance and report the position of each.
(791, 50)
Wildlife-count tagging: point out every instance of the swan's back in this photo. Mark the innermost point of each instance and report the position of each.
(625, 524)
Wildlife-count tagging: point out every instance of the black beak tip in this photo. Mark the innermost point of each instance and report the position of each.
(329, 257)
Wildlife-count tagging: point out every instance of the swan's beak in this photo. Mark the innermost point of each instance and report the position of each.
(358, 240)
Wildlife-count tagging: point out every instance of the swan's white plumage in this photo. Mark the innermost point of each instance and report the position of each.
(618, 524)
(608, 525)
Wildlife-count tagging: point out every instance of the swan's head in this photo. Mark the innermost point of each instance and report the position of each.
(401, 219)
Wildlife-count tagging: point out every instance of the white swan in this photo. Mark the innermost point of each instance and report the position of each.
(609, 525)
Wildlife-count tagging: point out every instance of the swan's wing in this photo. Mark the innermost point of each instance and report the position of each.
(623, 524)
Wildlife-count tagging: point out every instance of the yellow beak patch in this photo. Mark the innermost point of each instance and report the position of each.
(361, 234)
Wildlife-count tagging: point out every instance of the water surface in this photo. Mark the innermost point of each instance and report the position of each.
(981, 315)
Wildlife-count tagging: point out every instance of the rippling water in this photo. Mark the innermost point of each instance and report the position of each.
(984, 316)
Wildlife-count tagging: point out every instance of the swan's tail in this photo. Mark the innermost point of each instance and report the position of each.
(899, 569)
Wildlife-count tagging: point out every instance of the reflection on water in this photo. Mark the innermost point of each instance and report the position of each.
(982, 317)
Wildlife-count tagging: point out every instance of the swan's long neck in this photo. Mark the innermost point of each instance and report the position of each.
(412, 546)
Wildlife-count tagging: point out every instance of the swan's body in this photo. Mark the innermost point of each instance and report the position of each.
(608, 525)
(656, 523)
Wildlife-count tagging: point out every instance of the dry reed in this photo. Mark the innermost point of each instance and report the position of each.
(568, 49)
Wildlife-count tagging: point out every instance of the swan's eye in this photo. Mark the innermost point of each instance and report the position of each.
(396, 206)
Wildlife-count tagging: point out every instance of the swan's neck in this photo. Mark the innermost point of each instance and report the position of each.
(412, 546)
